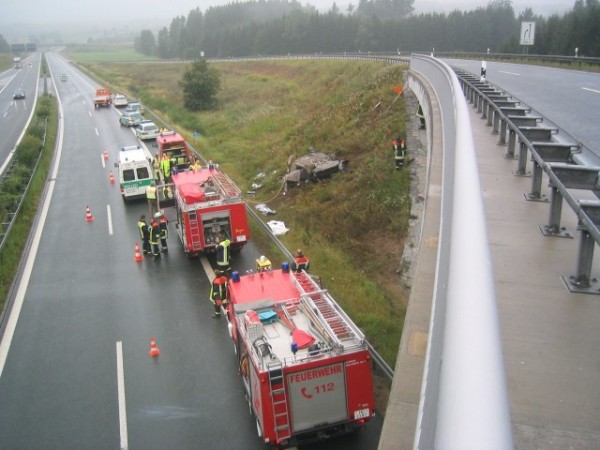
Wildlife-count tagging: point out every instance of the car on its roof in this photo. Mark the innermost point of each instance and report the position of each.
(19, 93)
(130, 119)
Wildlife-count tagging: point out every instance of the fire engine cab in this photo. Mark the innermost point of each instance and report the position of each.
(304, 364)
(208, 204)
(173, 145)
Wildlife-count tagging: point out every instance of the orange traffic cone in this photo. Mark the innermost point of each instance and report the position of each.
(105, 155)
(111, 178)
(138, 255)
(88, 214)
(154, 351)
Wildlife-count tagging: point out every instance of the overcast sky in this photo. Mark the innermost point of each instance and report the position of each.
(146, 13)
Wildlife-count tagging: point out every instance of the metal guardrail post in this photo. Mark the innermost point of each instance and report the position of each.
(503, 127)
(522, 164)
(582, 278)
(536, 185)
(553, 228)
(512, 140)
(496, 122)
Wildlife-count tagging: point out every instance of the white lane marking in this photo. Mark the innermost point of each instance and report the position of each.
(208, 270)
(591, 90)
(110, 227)
(89, 113)
(97, 134)
(121, 394)
(103, 160)
(510, 73)
(5, 114)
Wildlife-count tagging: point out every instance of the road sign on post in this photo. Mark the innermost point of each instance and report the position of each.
(527, 33)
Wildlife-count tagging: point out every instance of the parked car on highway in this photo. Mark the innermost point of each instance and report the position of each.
(130, 119)
(135, 107)
(19, 93)
(63, 77)
(147, 130)
(120, 101)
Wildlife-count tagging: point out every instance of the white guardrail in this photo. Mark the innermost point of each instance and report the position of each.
(464, 400)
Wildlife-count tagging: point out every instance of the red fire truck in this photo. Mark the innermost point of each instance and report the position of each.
(305, 365)
(173, 145)
(208, 204)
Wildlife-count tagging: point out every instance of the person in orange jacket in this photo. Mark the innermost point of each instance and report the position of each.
(301, 262)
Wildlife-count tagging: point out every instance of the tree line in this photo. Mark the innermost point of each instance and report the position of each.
(276, 27)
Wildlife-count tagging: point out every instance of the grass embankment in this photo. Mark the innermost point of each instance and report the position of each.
(351, 226)
(6, 61)
(26, 157)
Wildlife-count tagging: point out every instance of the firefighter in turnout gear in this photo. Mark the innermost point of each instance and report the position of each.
(155, 239)
(218, 293)
(144, 234)
(421, 117)
(164, 231)
(399, 145)
(223, 254)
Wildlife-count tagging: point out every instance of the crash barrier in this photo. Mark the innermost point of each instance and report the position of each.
(464, 401)
(566, 163)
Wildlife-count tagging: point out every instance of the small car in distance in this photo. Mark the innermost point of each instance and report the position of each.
(19, 94)
(130, 119)
(63, 77)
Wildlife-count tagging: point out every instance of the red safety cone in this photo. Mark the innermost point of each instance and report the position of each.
(154, 351)
(138, 254)
(88, 214)
(105, 155)
(111, 178)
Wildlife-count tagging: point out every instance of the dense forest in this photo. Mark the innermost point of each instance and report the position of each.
(276, 27)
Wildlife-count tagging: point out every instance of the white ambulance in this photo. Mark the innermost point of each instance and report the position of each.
(135, 172)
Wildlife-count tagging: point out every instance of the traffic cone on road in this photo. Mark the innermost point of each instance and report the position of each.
(105, 155)
(154, 351)
(111, 178)
(88, 214)
(138, 255)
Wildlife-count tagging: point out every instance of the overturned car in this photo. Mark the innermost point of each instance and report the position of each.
(312, 167)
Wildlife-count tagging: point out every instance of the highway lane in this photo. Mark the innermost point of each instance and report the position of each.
(568, 98)
(59, 387)
(16, 114)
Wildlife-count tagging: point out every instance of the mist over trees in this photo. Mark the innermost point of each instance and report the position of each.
(276, 27)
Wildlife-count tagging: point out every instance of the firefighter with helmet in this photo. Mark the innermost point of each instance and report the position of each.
(164, 231)
(218, 293)
(144, 234)
(399, 145)
(155, 239)
(223, 250)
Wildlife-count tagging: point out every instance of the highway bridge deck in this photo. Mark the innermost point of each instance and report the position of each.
(550, 336)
